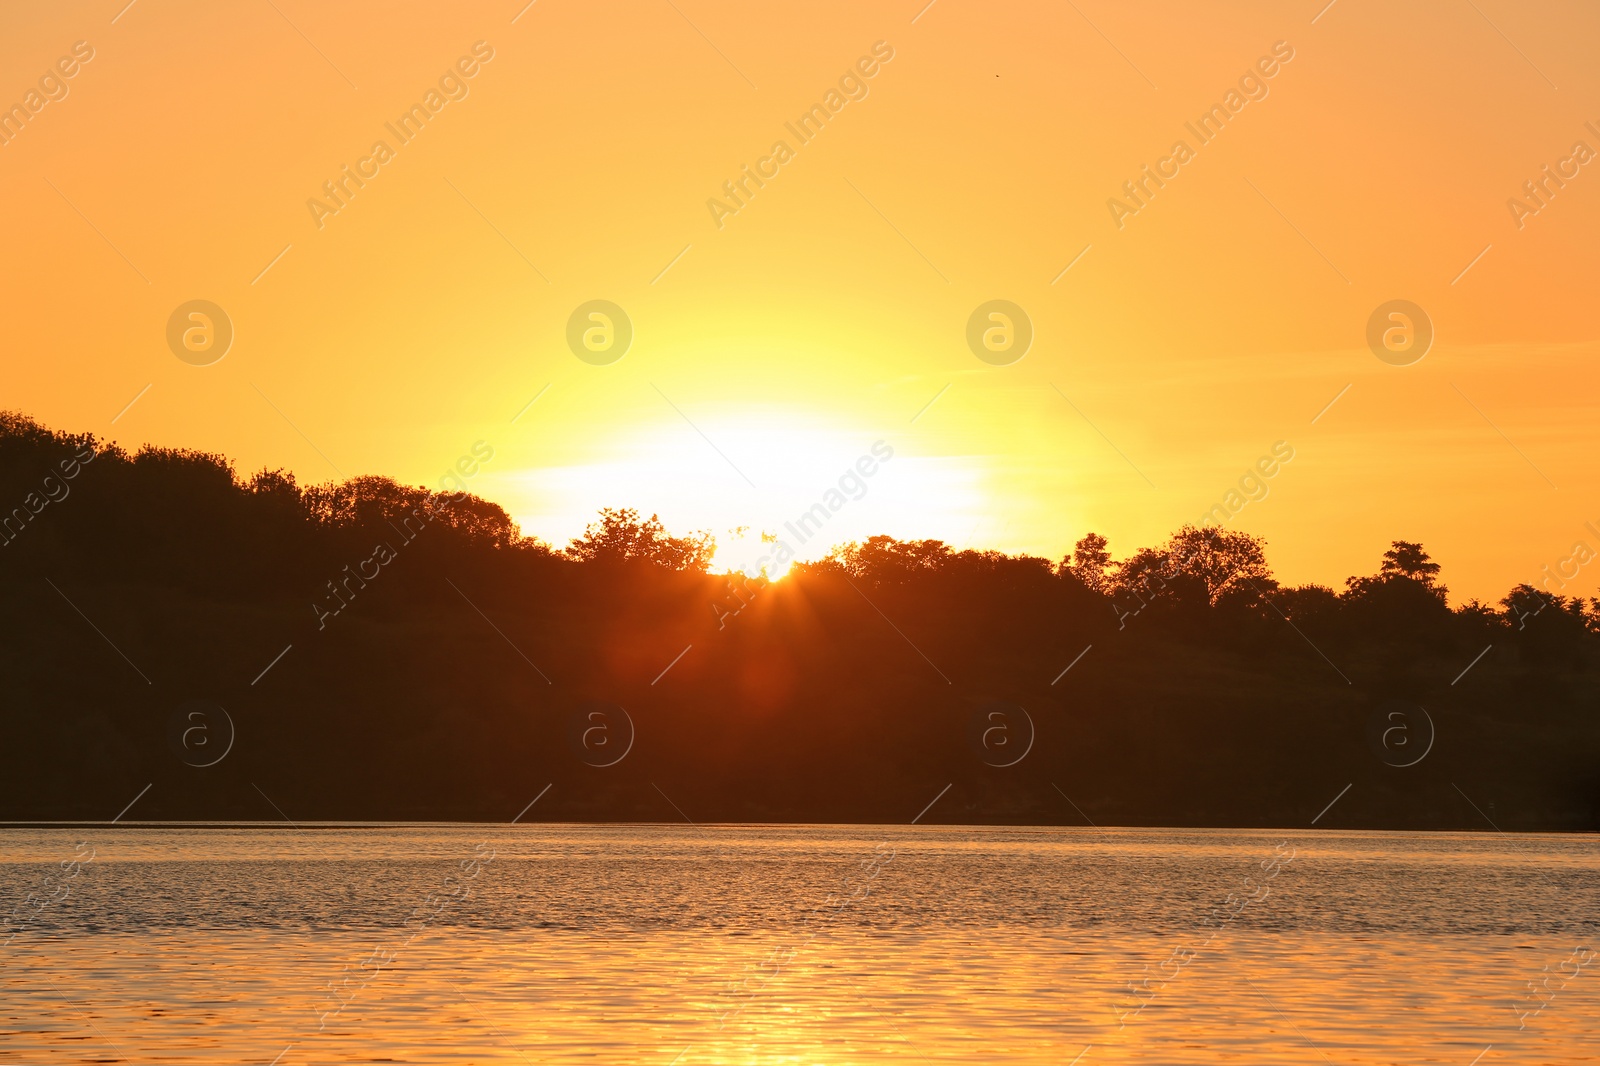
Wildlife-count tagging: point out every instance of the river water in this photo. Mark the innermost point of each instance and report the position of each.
(795, 944)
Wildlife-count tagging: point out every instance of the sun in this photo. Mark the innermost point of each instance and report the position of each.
(750, 552)
(772, 486)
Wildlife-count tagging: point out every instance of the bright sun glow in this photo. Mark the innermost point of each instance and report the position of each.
(803, 482)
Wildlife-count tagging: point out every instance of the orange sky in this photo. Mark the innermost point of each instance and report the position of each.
(828, 311)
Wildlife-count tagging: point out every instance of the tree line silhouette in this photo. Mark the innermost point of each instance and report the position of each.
(381, 651)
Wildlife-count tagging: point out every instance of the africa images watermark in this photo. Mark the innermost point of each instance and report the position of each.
(1253, 485)
(20, 919)
(354, 980)
(52, 88)
(753, 579)
(452, 86)
(1580, 556)
(1541, 190)
(852, 85)
(773, 965)
(1216, 920)
(55, 489)
(853, 481)
(770, 968)
(1252, 86)
(452, 486)
(1580, 957)
(1252, 488)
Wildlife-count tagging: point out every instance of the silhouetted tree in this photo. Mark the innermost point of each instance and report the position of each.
(1408, 559)
(619, 535)
(1196, 568)
(1232, 565)
(1405, 571)
(1089, 561)
(1315, 605)
(884, 560)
